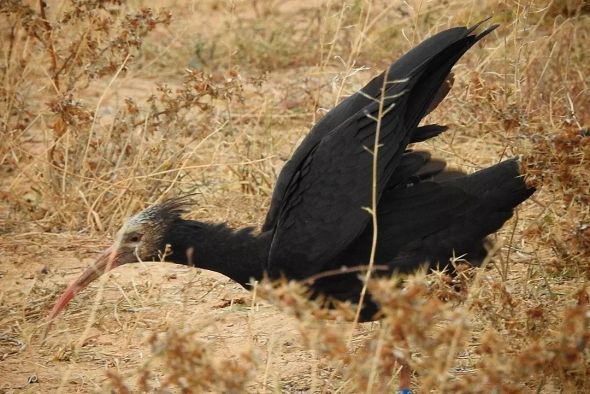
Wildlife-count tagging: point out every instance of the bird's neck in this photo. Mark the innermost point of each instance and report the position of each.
(239, 254)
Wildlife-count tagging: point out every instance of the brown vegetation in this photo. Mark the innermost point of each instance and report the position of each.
(106, 108)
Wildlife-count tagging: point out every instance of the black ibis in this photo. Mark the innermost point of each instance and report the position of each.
(318, 223)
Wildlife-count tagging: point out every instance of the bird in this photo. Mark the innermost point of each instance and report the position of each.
(318, 227)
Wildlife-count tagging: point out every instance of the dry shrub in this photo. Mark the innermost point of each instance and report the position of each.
(95, 159)
(557, 151)
(475, 338)
(76, 156)
(188, 366)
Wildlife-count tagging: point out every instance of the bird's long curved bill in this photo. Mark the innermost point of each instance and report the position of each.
(105, 262)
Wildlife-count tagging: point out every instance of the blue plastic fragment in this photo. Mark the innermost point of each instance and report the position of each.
(405, 391)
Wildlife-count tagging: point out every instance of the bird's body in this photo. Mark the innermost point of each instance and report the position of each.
(318, 222)
(441, 220)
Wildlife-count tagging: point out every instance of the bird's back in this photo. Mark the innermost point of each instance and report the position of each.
(318, 208)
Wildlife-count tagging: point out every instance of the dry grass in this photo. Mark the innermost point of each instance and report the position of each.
(106, 108)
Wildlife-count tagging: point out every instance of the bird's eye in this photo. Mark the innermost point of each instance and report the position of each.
(134, 238)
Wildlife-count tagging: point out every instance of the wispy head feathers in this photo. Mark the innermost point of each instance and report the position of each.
(174, 207)
(165, 212)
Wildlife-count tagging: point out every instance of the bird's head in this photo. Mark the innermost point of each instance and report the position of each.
(142, 238)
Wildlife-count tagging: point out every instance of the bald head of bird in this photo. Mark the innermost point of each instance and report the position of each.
(144, 237)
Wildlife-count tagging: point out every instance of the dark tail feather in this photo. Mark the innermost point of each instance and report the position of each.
(501, 186)
(432, 221)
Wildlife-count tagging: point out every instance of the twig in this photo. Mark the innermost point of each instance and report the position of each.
(49, 44)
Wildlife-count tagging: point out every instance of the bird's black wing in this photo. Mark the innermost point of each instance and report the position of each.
(321, 211)
(443, 217)
(347, 108)
(426, 218)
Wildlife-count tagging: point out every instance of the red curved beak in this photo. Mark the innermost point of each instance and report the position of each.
(105, 262)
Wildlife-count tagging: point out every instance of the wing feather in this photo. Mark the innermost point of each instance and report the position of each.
(321, 210)
(356, 102)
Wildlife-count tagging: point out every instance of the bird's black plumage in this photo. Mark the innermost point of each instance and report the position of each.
(316, 221)
(316, 208)
(402, 68)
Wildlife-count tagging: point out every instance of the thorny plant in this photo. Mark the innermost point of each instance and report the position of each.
(190, 367)
(97, 158)
(522, 327)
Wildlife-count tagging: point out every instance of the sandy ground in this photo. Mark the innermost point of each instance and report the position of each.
(107, 327)
(137, 300)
